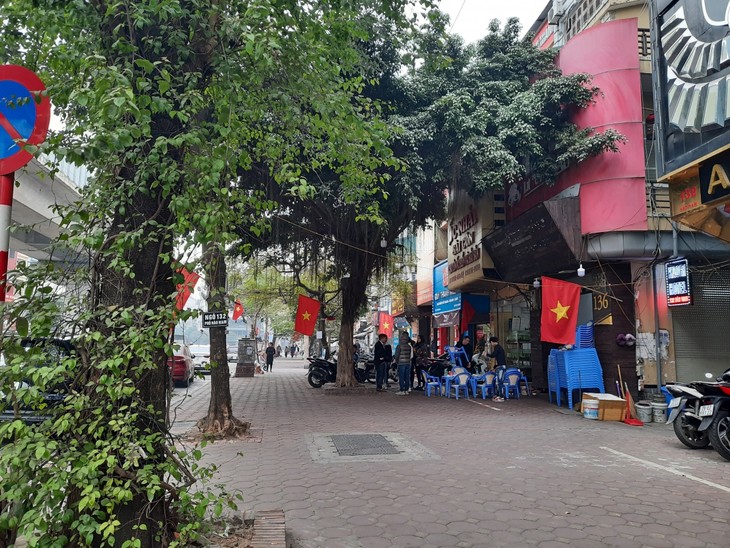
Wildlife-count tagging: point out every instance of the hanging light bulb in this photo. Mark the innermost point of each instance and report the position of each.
(536, 283)
(581, 271)
(383, 243)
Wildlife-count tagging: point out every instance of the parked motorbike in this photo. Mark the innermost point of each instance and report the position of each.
(365, 369)
(700, 411)
(320, 372)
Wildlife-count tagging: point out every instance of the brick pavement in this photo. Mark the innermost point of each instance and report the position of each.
(511, 474)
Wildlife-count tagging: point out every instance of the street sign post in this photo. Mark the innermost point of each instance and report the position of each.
(215, 319)
(25, 112)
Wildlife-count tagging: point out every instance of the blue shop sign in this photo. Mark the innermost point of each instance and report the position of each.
(443, 299)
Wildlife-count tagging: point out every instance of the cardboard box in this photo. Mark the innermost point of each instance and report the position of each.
(610, 407)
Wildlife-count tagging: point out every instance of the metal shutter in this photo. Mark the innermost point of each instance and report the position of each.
(702, 330)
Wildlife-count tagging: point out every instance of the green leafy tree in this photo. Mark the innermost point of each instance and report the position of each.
(169, 102)
(468, 117)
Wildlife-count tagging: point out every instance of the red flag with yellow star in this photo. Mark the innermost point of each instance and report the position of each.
(237, 310)
(385, 324)
(307, 313)
(559, 318)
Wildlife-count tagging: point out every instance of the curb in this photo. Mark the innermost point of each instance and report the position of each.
(269, 530)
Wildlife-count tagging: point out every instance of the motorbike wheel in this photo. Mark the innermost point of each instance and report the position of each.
(371, 376)
(687, 432)
(316, 379)
(359, 375)
(719, 432)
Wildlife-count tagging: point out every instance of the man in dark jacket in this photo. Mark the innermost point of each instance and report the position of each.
(382, 356)
(497, 352)
(403, 356)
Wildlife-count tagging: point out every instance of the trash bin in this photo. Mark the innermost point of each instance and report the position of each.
(246, 358)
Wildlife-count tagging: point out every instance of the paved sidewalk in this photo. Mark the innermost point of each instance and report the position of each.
(470, 474)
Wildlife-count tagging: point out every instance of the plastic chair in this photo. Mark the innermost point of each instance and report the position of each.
(460, 382)
(489, 387)
(432, 382)
(476, 379)
(511, 383)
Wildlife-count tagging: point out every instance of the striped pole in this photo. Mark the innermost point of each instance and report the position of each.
(6, 204)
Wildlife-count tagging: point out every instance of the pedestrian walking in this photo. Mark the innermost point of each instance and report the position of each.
(382, 356)
(403, 356)
(270, 353)
(286, 352)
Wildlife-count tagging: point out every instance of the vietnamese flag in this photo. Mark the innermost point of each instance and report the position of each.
(385, 324)
(559, 318)
(307, 313)
(185, 289)
(237, 310)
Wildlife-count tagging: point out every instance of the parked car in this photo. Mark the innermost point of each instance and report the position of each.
(55, 350)
(182, 368)
(232, 353)
(201, 358)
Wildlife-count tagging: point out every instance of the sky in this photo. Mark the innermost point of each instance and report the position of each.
(475, 15)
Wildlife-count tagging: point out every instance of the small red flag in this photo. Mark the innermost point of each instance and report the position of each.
(385, 324)
(559, 318)
(185, 289)
(237, 310)
(307, 313)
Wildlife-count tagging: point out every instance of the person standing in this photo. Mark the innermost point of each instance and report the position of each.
(270, 353)
(403, 356)
(497, 352)
(382, 356)
(421, 352)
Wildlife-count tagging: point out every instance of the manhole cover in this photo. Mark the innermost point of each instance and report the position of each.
(365, 447)
(350, 445)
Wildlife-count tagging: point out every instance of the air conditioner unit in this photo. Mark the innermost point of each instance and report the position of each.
(554, 17)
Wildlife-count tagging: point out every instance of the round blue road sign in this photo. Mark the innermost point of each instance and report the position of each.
(24, 116)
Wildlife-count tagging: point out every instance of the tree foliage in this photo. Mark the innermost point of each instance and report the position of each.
(170, 103)
(474, 117)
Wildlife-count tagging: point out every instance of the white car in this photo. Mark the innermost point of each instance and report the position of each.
(201, 358)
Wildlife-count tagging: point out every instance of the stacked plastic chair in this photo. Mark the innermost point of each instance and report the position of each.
(578, 370)
(584, 336)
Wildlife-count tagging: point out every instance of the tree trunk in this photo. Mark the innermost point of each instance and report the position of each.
(345, 370)
(152, 279)
(220, 421)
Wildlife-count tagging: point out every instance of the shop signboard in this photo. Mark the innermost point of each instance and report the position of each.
(465, 242)
(679, 290)
(444, 300)
(686, 196)
(714, 181)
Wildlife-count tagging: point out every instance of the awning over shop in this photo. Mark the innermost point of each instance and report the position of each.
(545, 239)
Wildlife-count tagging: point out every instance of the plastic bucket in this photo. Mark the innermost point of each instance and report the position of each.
(590, 409)
(644, 411)
(660, 411)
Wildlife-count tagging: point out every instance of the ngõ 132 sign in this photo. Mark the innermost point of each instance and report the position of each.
(679, 290)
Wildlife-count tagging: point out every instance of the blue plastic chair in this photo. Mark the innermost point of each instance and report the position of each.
(489, 386)
(460, 382)
(432, 382)
(511, 383)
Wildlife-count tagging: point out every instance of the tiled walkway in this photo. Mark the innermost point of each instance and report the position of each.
(517, 473)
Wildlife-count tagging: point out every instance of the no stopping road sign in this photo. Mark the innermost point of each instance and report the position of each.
(25, 112)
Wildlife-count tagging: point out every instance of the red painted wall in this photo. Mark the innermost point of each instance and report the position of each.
(612, 192)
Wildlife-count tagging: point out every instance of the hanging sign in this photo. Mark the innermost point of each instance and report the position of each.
(215, 319)
(679, 292)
